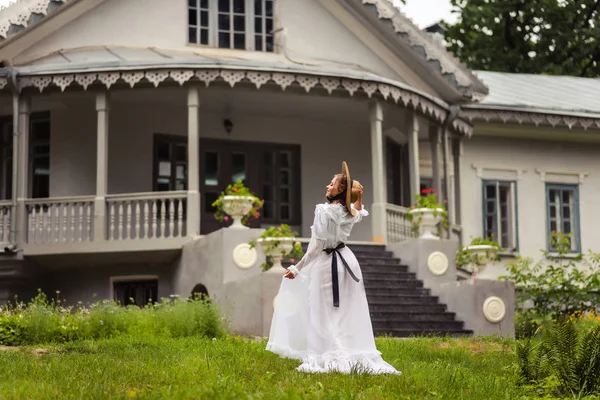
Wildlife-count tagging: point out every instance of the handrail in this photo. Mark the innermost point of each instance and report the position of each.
(147, 196)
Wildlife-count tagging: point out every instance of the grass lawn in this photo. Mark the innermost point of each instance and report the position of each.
(234, 368)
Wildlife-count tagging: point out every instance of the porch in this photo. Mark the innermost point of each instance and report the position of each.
(111, 187)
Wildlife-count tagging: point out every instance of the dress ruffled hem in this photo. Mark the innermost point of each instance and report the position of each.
(367, 362)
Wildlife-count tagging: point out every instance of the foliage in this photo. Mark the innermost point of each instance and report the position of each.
(566, 360)
(553, 37)
(427, 199)
(273, 246)
(464, 255)
(238, 189)
(46, 320)
(560, 284)
(240, 368)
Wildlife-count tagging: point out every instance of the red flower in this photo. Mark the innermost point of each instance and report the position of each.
(431, 190)
(235, 189)
(424, 191)
(445, 201)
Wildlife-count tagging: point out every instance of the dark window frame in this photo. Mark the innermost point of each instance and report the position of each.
(254, 156)
(219, 24)
(574, 219)
(512, 233)
(144, 284)
(33, 190)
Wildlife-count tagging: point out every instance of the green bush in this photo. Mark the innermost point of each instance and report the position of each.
(564, 361)
(559, 284)
(50, 321)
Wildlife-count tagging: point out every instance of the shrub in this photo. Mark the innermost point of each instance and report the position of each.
(565, 360)
(465, 257)
(49, 321)
(558, 285)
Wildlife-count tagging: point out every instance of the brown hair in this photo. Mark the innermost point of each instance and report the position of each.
(343, 184)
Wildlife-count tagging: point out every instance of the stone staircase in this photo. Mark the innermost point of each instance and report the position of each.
(400, 306)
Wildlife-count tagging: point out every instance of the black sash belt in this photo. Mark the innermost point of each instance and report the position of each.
(335, 252)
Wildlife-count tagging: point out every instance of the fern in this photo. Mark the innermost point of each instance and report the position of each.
(588, 361)
(566, 353)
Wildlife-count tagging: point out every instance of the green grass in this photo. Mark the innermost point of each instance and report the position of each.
(235, 368)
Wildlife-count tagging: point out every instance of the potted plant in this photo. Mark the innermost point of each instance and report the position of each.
(427, 216)
(478, 254)
(278, 242)
(239, 203)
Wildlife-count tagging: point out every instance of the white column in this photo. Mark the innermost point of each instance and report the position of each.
(22, 165)
(102, 112)
(435, 140)
(412, 131)
(378, 168)
(193, 196)
(457, 152)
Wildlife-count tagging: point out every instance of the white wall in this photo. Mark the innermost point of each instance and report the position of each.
(313, 36)
(528, 155)
(324, 145)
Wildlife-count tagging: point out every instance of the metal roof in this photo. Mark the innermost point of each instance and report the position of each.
(541, 93)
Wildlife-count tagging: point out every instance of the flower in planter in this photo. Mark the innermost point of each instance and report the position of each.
(465, 256)
(274, 248)
(238, 189)
(428, 200)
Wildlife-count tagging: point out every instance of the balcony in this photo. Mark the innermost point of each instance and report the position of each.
(132, 222)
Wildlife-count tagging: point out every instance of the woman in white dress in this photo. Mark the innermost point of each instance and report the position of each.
(322, 317)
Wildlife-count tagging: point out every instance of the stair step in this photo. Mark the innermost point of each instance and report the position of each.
(401, 298)
(380, 323)
(401, 332)
(406, 315)
(410, 307)
(383, 269)
(376, 292)
(387, 276)
(365, 248)
(378, 261)
(393, 284)
(373, 254)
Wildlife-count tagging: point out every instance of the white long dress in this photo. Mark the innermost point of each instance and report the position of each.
(306, 325)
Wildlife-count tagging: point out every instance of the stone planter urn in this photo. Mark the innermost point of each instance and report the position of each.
(276, 248)
(236, 207)
(429, 223)
(481, 255)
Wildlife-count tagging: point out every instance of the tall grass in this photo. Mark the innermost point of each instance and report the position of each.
(46, 320)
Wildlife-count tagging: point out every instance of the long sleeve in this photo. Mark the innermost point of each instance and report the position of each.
(317, 242)
(360, 214)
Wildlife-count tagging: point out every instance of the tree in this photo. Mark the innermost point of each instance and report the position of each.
(555, 37)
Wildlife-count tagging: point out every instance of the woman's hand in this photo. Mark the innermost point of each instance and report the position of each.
(289, 274)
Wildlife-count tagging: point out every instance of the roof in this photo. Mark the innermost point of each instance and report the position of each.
(541, 93)
(23, 14)
(20, 14)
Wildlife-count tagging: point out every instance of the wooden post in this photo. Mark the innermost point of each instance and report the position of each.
(102, 112)
(193, 195)
(22, 165)
(378, 169)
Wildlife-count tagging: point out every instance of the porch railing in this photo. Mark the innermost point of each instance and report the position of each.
(153, 215)
(60, 220)
(6, 209)
(398, 229)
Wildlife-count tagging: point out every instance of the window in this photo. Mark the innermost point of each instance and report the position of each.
(500, 213)
(39, 156)
(170, 163)
(136, 292)
(231, 24)
(563, 213)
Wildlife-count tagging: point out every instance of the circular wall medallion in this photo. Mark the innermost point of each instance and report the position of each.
(437, 262)
(243, 256)
(494, 309)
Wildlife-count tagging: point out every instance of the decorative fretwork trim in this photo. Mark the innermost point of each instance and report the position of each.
(389, 92)
(19, 13)
(433, 52)
(532, 118)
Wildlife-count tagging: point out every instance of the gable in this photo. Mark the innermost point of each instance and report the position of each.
(315, 32)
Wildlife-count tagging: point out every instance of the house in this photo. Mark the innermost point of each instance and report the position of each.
(122, 121)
